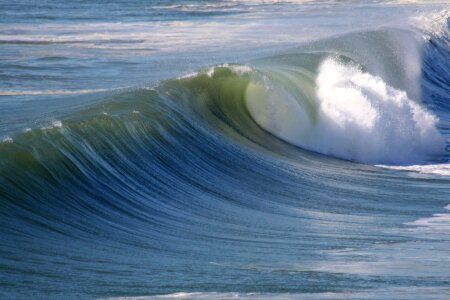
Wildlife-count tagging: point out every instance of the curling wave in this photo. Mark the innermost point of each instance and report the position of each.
(353, 115)
(221, 175)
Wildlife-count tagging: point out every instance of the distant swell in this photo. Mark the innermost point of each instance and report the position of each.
(52, 92)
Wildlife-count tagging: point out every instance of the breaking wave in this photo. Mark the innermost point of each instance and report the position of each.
(236, 170)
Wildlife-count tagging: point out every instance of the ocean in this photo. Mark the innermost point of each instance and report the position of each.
(224, 149)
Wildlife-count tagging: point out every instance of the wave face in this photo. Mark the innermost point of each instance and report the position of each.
(242, 180)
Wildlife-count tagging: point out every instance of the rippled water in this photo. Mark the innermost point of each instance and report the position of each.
(224, 149)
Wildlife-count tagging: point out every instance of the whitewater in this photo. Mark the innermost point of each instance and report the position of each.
(225, 149)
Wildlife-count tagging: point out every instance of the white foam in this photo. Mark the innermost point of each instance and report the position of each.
(437, 221)
(236, 69)
(436, 169)
(239, 69)
(188, 75)
(7, 140)
(364, 119)
(55, 124)
(357, 117)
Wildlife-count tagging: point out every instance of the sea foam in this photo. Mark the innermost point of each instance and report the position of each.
(357, 117)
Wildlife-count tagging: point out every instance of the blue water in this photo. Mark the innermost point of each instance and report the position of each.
(224, 149)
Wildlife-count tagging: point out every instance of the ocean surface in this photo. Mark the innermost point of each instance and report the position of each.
(224, 149)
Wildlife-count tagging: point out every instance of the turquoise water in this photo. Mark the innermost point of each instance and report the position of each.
(224, 149)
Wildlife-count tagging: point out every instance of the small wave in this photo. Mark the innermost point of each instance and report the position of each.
(386, 293)
(211, 295)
